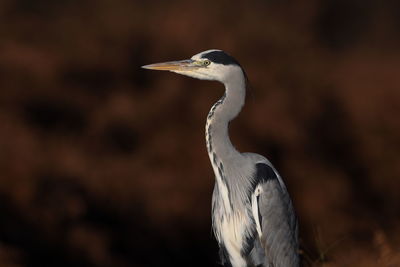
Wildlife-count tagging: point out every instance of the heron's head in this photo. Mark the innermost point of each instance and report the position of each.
(208, 65)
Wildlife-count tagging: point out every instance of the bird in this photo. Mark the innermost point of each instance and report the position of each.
(253, 218)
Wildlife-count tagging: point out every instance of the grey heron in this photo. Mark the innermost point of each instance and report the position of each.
(252, 214)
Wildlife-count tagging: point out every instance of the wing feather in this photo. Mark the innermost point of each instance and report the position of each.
(276, 218)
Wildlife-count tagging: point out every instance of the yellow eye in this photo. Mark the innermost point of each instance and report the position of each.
(206, 62)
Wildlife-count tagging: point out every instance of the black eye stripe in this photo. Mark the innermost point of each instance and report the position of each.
(220, 57)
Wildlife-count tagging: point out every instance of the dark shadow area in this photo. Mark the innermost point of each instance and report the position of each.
(55, 115)
(51, 238)
(340, 23)
(332, 140)
(120, 138)
(94, 81)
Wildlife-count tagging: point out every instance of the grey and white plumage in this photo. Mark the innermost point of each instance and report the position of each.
(253, 218)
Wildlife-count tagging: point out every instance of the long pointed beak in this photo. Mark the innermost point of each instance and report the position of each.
(181, 65)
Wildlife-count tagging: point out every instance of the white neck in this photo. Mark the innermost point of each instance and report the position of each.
(219, 146)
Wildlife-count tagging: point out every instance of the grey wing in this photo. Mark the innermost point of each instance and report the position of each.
(276, 219)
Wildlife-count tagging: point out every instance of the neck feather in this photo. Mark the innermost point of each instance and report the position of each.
(219, 146)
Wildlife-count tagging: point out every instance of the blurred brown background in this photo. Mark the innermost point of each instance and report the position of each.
(104, 164)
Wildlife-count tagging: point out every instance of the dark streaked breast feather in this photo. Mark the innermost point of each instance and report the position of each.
(224, 256)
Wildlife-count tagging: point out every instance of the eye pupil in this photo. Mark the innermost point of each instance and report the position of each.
(207, 62)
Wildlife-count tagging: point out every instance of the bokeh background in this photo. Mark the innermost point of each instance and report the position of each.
(104, 164)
